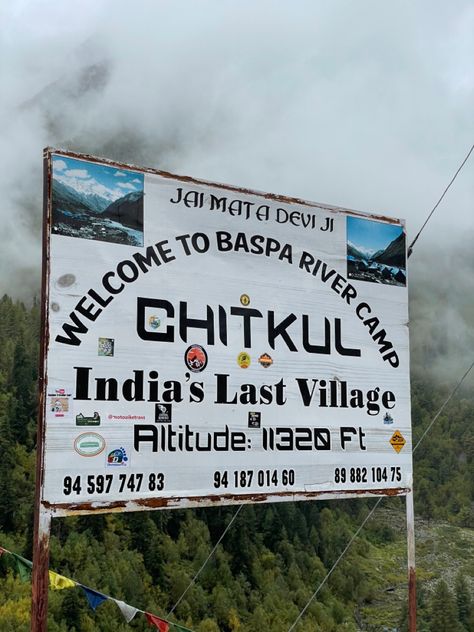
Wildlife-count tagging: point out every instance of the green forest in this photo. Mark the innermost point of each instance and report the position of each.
(269, 563)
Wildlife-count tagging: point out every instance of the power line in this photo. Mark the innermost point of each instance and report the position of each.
(410, 248)
(371, 512)
(206, 560)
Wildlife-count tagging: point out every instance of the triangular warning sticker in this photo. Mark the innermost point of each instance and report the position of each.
(397, 440)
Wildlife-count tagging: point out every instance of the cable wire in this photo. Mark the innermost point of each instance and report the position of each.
(206, 560)
(410, 248)
(371, 512)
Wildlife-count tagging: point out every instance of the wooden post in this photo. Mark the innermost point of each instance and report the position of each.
(42, 518)
(411, 562)
(40, 583)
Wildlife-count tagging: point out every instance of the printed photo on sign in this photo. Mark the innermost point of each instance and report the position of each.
(106, 347)
(59, 406)
(94, 201)
(376, 251)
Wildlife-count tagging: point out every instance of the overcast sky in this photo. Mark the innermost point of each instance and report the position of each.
(362, 104)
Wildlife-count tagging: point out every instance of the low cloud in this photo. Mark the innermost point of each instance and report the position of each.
(59, 165)
(76, 173)
(364, 105)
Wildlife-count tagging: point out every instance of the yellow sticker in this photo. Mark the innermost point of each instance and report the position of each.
(245, 300)
(397, 441)
(243, 360)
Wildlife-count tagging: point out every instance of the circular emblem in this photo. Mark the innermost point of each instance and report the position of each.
(243, 360)
(196, 358)
(154, 322)
(117, 457)
(89, 444)
(245, 300)
(265, 360)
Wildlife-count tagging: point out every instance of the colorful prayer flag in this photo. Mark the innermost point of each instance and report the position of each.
(23, 567)
(161, 624)
(93, 597)
(58, 582)
(128, 611)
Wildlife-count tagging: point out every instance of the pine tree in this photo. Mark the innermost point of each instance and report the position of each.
(7, 465)
(463, 600)
(443, 611)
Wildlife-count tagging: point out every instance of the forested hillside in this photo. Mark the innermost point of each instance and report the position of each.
(269, 563)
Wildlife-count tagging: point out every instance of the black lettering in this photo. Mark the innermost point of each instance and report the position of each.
(344, 351)
(310, 348)
(145, 434)
(88, 310)
(346, 435)
(110, 288)
(121, 268)
(71, 330)
(247, 313)
(132, 389)
(179, 191)
(82, 382)
(103, 302)
(221, 390)
(106, 389)
(280, 330)
(379, 338)
(186, 323)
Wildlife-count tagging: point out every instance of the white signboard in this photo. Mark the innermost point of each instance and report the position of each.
(209, 344)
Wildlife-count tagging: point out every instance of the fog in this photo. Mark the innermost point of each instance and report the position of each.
(365, 105)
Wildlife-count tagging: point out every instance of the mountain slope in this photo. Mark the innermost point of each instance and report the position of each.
(127, 210)
(68, 199)
(394, 253)
(352, 251)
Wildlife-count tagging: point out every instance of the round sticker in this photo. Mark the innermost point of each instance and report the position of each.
(243, 360)
(89, 444)
(154, 322)
(265, 360)
(245, 299)
(196, 358)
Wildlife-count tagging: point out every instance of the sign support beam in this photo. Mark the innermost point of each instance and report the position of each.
(40, 579)
(42, 516)
(411, 562)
